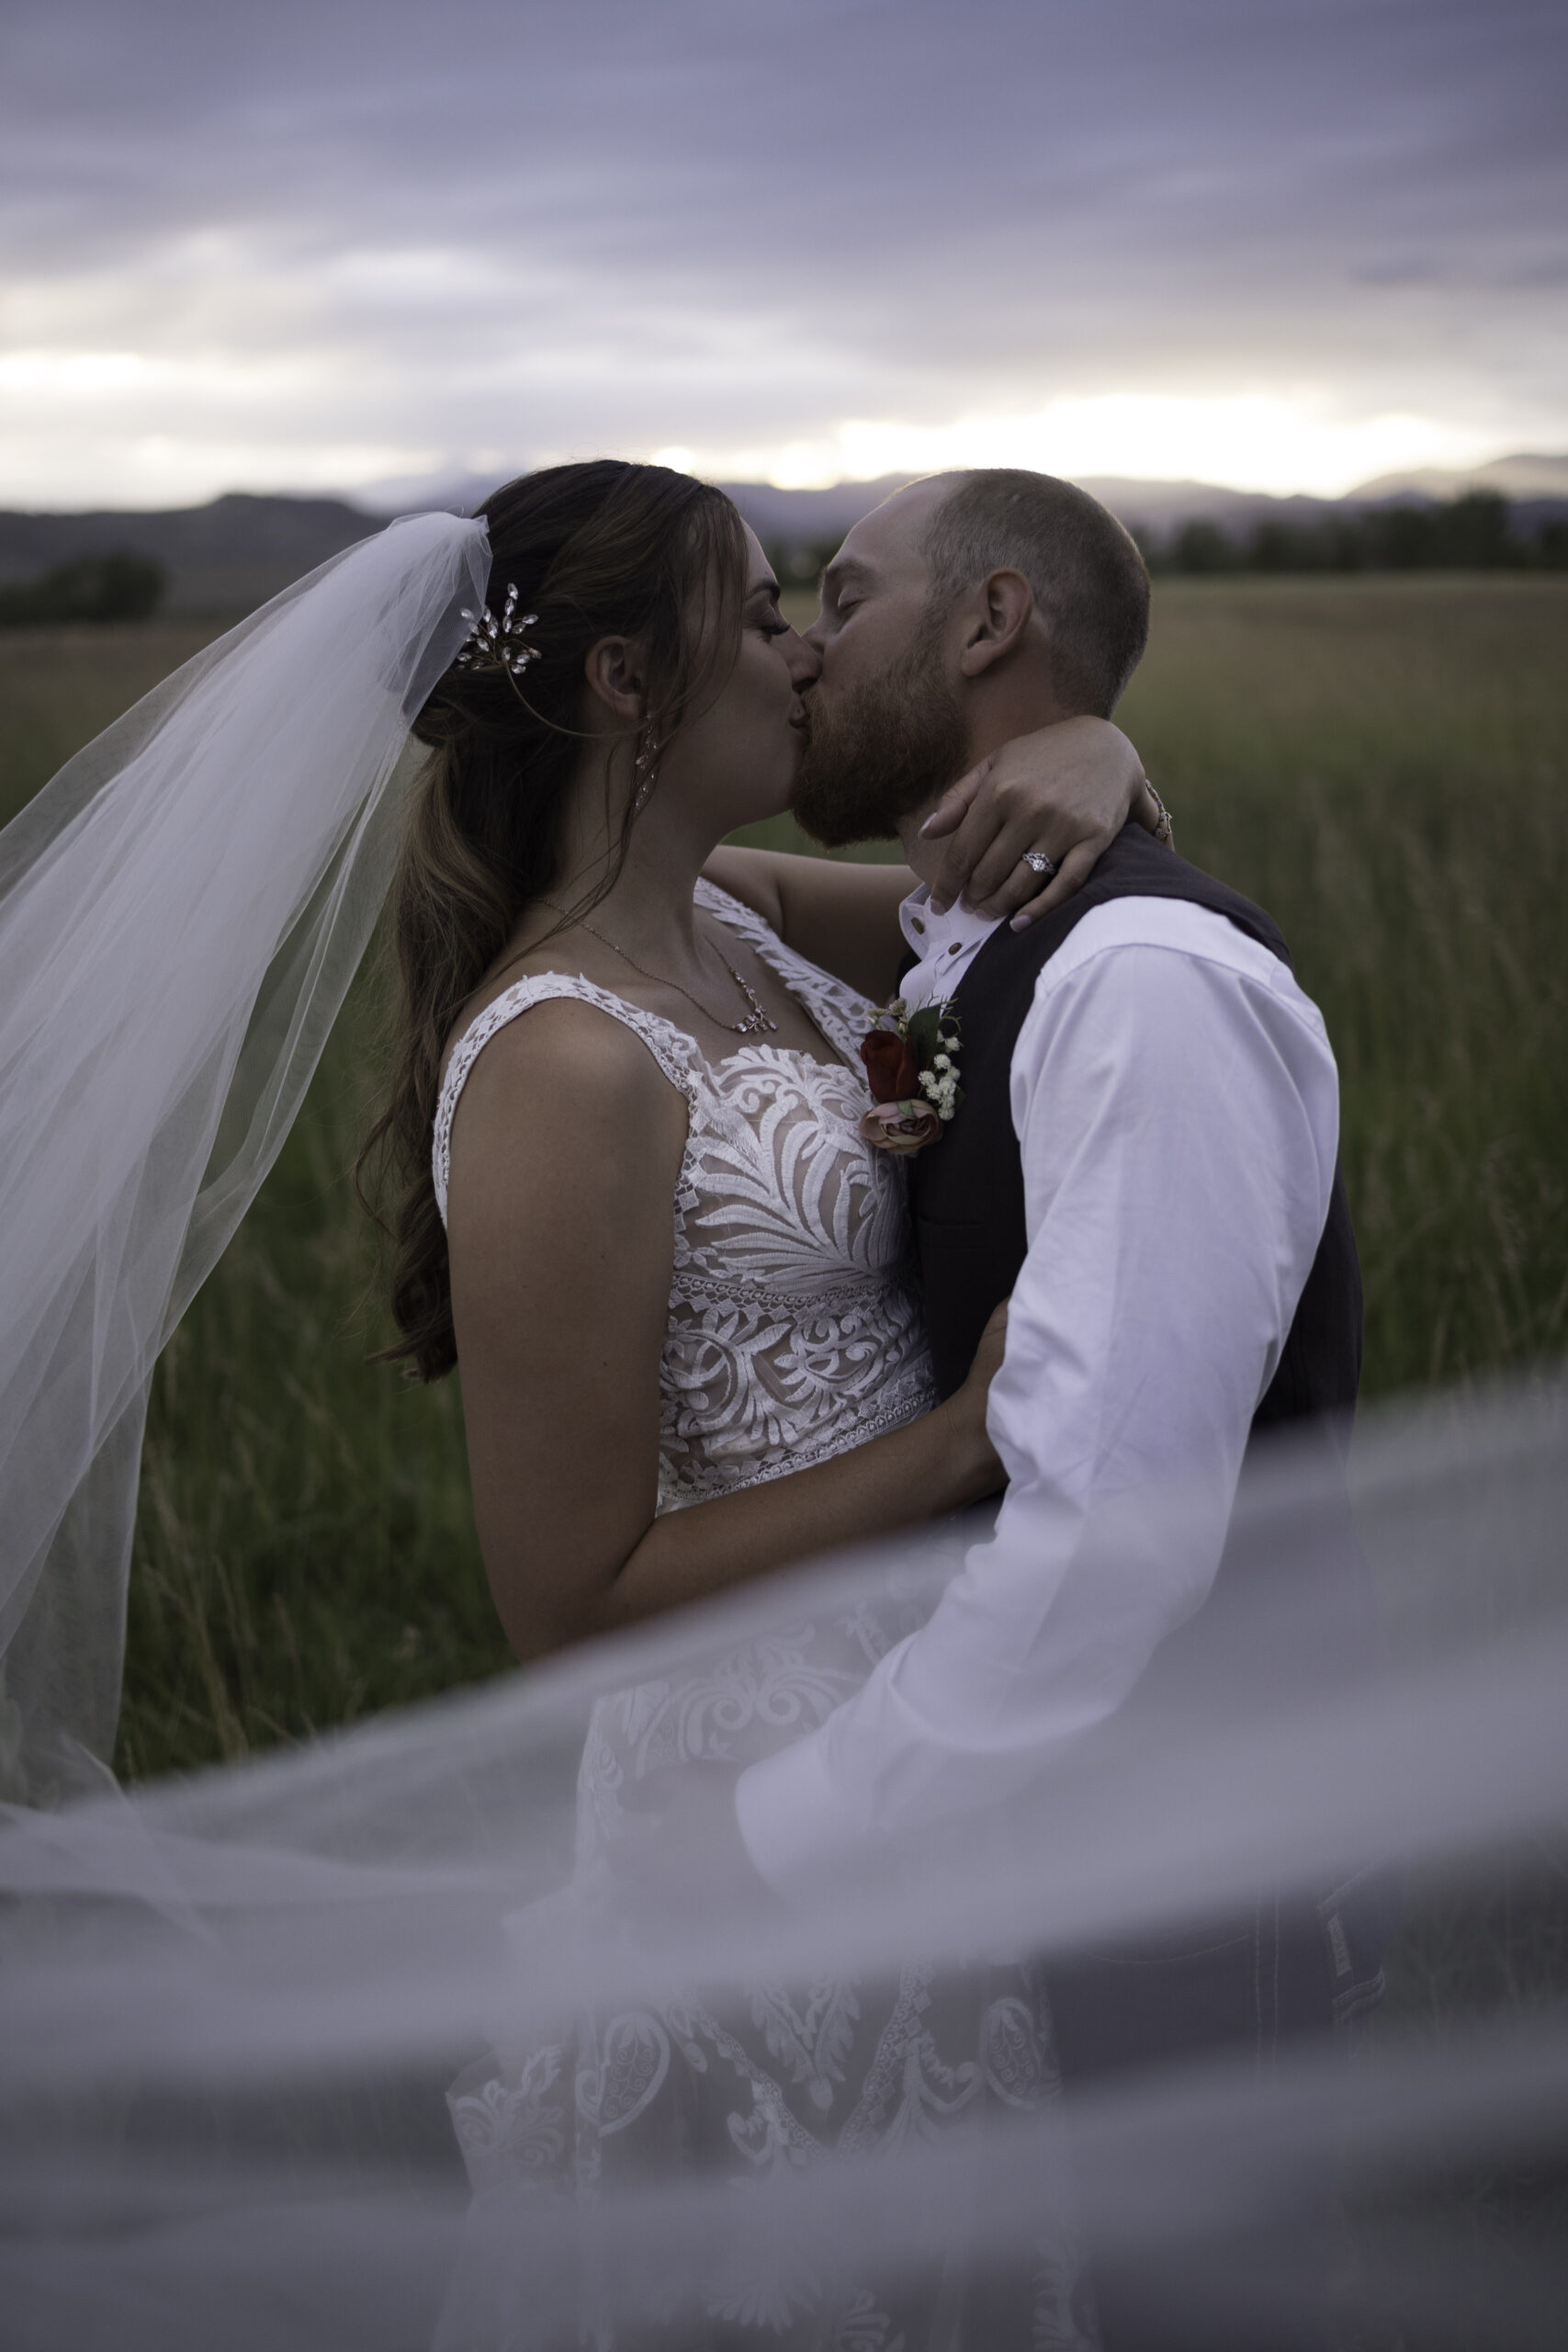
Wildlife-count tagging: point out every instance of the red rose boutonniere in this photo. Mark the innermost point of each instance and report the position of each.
(911, 1059)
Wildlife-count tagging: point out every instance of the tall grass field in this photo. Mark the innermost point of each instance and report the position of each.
(1380, 764)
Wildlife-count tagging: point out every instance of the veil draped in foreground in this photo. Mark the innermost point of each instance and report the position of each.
(235, 2004)
(181, 911)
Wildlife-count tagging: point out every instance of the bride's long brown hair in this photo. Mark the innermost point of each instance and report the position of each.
(601, 549)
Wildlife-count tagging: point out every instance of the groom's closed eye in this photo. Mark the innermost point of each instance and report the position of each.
(841, 591)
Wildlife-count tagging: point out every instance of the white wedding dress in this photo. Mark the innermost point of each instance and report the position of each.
(793, 1333)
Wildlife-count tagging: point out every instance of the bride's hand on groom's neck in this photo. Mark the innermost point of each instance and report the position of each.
(1066, 790)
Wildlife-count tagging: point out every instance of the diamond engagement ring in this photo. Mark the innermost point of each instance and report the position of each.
(1042, 865)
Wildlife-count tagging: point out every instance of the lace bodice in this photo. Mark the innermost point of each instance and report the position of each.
(793, 1333)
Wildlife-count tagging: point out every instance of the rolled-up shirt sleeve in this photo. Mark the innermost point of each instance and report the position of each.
(1176, 1105)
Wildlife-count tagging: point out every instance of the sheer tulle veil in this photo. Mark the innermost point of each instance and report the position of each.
(235, 2004)
(181, 911)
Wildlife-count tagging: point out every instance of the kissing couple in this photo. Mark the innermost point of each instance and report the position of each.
(730, 1285)
(660, 1234)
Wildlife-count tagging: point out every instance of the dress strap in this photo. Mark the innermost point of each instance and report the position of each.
(839, 1011)
(675, 1053)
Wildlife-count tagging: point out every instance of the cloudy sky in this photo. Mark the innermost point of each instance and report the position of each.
(1283, 243)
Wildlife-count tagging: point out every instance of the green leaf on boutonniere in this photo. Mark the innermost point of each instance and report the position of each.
(932, 1030)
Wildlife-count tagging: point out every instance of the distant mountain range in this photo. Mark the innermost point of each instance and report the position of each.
(814, 514)
(229, 557)
(222, 558)
(1525, 477)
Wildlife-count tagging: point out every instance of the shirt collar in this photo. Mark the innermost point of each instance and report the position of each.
(931, 934)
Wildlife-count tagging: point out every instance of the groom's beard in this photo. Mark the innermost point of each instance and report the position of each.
(882, 751)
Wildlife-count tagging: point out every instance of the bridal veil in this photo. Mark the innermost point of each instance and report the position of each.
(181, 913)
(233, 2004)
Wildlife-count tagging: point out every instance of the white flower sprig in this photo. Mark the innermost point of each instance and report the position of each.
(940, 1083)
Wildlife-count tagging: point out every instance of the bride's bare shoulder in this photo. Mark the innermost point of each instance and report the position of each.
(562, 1083)
(553, 1047)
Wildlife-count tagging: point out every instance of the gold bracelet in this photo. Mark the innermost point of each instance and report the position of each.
(1164, 829)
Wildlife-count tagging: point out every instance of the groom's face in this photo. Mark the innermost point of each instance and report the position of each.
(887, 729)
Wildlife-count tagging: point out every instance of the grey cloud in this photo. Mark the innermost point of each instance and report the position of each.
(670, 211)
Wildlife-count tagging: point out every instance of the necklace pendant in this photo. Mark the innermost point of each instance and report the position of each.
(757, 1021)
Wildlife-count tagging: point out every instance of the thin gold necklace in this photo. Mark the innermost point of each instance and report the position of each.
(757, 1020)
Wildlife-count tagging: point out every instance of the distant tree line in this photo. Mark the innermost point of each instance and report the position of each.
(1479, 532)
(1476, 533)
(120, 587)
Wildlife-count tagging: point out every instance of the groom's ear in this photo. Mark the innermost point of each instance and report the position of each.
(997, 610)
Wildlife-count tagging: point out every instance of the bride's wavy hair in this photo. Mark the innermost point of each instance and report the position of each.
(599, 549)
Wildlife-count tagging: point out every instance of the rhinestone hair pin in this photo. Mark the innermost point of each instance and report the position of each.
(494, 644)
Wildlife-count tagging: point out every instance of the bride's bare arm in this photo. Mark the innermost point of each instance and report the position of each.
(1067, 789)
(566, 1151)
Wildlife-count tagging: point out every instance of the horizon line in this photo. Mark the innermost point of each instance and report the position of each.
(378, 498)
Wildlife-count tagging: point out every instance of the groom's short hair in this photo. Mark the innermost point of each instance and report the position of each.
(1090, 585)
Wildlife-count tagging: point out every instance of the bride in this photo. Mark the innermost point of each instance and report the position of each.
(637, 1205)
(640, 1214)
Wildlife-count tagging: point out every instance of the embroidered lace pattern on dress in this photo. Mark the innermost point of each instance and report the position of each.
(792, 1330)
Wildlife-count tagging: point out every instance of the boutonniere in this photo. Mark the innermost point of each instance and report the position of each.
(911, 1059)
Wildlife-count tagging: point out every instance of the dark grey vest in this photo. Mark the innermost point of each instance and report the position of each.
(967, 1195)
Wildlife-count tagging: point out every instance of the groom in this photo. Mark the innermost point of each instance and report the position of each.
(1145, 1158)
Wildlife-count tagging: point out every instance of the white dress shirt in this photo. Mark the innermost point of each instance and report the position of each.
(1176, 1105)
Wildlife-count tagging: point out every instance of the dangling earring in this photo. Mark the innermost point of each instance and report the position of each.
(646, 769)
